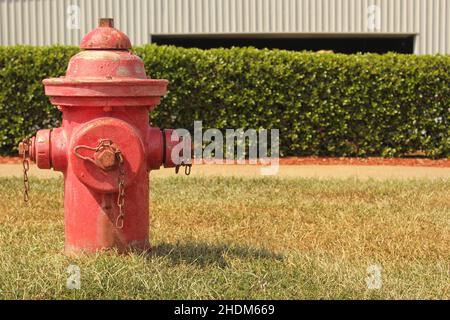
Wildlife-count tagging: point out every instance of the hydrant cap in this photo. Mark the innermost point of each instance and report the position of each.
(105, 37)
(105, 73)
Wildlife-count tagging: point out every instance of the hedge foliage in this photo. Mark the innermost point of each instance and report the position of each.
(323, 104)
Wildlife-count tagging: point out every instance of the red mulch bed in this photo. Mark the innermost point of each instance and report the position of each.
(414, 162)
(10, 160)
(371, 161)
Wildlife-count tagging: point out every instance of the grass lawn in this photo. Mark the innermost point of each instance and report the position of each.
(242, 238)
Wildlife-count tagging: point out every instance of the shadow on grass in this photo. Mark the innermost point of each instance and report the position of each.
(203, 254)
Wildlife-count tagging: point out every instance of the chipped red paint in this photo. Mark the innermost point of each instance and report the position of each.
(105, 37)
(105, 94)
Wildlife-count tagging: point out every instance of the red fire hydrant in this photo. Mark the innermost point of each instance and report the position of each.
(105, 146)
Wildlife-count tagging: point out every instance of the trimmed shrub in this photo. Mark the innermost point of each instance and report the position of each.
(323, 104)
(24, 108)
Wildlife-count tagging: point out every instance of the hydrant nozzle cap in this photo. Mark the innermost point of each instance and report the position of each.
(105, 37)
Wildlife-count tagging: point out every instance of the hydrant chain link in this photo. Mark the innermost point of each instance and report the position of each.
(24, 149)
(186, 163)
(104, 144)
(121, 193)
(187, 168)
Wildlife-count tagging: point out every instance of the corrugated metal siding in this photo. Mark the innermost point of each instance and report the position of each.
(43, 22)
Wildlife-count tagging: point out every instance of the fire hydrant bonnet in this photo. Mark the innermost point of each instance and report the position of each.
(105, 68)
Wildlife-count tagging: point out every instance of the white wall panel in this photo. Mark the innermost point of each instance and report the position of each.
(43, 22)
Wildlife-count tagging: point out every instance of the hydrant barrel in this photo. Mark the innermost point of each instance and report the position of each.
(105, 146)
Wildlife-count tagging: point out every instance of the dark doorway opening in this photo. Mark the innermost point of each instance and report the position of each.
(403, 44)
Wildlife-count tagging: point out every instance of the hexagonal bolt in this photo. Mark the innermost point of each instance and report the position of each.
(106, 159)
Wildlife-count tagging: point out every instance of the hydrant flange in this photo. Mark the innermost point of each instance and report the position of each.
(124, 137)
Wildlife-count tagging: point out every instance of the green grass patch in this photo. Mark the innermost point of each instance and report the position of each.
(242, 238)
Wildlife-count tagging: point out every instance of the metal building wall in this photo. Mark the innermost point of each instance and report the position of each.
(43, 22)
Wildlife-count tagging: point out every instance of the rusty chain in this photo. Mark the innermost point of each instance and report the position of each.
(121, 177)
(187, 165)
(26, 167)
(121, 191)
(187, 168)
(102, 144)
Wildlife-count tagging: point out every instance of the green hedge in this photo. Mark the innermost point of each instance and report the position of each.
(323, 104)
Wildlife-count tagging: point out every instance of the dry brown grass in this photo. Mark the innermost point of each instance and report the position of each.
(243, 238)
